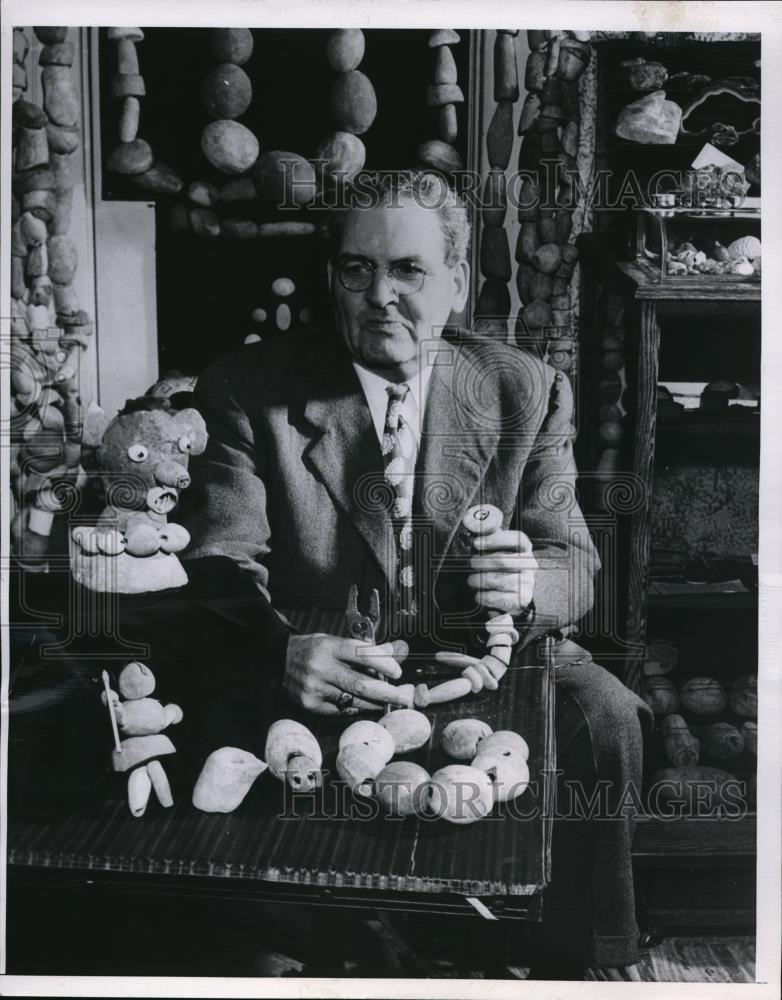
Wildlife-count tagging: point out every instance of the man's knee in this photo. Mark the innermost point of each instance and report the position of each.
(616, 717)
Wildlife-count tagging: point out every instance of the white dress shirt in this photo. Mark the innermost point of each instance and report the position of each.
(374, 387)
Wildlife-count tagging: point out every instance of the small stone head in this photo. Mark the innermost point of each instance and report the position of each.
(143, 453)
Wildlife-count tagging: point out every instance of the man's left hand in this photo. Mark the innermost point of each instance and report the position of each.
(504, 571)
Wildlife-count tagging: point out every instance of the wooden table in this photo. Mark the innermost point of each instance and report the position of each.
(330, 850)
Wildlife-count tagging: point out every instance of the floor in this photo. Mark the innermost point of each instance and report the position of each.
(676, 959)
(700, 960)
(59, 934)
(684, 960)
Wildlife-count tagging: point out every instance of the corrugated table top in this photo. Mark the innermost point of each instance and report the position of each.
(326, 841)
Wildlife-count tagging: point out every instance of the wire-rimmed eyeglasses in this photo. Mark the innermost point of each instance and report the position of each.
(404, 276)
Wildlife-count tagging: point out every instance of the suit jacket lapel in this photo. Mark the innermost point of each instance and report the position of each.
(459, 439)
(345, 451)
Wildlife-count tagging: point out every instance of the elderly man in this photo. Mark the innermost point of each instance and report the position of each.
(352, 458)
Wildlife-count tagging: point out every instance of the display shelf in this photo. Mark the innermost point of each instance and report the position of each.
(694, 328)
(711, 604)
(694, 841)
(700, 425)
(695, 875)
(698, 288)
(687, 211)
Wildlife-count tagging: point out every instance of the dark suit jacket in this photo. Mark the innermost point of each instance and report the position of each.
(290, 486)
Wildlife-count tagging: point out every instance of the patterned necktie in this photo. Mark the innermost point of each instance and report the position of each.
(399, 450)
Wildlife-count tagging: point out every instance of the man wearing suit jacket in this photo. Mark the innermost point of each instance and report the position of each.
(292, 489)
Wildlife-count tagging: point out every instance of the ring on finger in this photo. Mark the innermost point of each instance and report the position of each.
(344, 701)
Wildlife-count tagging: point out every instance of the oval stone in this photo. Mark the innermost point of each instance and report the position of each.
(440, 155)
(227, 91)
(63, 259)
(50, 35)
(160, 179)
(231, 45)
(285, 178)
(130, 158)
(344, 154)
(60, 100)
(29, 115)
(345, 49)
(229, 146)
(283, 287)
(283, 316)
(353, 102)
(240, 229)
(62, 138)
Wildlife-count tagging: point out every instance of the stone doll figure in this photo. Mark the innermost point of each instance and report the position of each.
(140, 721)
(142, 456)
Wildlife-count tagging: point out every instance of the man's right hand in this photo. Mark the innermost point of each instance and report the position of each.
(319, 668)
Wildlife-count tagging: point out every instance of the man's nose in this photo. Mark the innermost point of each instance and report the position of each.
(381, 291)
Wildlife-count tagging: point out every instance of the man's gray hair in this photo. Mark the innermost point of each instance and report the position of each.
(425, 188)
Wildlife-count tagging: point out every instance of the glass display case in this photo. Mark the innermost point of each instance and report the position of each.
(676, 241)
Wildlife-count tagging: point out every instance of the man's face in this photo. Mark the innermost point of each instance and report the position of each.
(381, 328)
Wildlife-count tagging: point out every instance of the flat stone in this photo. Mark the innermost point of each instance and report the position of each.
(443, 93)
(240, 229)
(128, 85)
(440, 155)
(130, 158)
(134, 34)
(49, 35)
(62, 138)
(39, 179)
(61, 54)
(443, 36)
(160, 179)
(29, 115)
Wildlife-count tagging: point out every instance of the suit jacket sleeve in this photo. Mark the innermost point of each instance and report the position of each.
(226, 505)
(225, 512)
(548, 512)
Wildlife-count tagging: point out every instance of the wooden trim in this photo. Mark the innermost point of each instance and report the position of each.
(696, 841)
(475, 132)
(125, 278)
(82, 219)
(646, 370)
(692, 289)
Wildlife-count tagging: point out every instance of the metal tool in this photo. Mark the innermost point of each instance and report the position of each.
(362, 626)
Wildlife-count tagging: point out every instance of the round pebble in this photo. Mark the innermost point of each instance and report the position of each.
(283, 287)
(283, 316)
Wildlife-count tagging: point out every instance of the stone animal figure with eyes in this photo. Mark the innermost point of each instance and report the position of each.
(142, 456)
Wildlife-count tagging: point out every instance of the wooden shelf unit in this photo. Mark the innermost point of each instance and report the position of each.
(687, 868)
(653, 301)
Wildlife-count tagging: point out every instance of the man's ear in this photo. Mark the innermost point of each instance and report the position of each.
(461, 278)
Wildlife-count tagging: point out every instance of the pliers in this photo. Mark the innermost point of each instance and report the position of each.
(362, 626)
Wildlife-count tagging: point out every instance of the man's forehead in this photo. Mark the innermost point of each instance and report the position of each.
(403, 230)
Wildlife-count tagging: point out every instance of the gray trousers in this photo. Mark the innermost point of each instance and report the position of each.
(600, 725)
